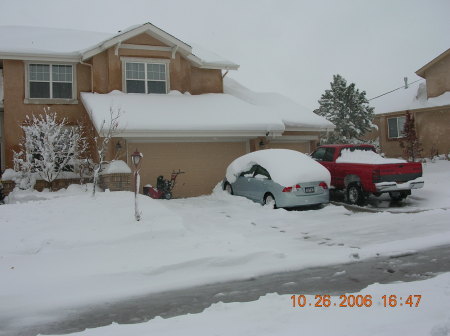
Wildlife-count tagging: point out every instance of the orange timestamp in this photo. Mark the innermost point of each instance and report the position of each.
(350, 300)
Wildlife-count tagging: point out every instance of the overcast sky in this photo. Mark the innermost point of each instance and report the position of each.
(288, 46)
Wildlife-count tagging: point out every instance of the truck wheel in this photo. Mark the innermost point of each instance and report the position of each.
(355, 194)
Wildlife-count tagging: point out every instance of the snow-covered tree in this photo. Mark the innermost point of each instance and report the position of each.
(412, 148)
(348, 109)
(48, 147)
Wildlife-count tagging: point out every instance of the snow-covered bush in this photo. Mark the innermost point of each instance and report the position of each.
(48, 148)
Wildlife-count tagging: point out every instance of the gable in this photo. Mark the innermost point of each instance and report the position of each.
(145, 39)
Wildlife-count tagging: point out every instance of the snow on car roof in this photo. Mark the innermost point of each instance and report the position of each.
(286, 167)
(363, 156)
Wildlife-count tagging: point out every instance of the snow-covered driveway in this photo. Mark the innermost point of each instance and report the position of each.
(69, 249)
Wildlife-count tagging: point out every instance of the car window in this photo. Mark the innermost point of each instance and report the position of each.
(251, 172)
(261, 171)
(319, 153)
(261, 177)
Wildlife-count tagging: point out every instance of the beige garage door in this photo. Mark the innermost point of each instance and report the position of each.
(298, 146)
(204, 164)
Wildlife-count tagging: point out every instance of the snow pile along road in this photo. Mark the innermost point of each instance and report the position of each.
(274, 314)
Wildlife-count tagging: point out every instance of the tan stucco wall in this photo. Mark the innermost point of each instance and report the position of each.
(432, 127)
(438, 77)
(205, 163)
(16, 110)
(303, 147)
(107, 69)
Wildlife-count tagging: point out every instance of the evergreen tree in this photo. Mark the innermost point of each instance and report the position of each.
(348, 109)
(412, 148)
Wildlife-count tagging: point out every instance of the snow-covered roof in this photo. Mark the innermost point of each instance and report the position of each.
(152, 114)
(411, 98)
(25, 42)
(292, 114)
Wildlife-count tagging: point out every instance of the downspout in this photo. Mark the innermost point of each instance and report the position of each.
(92, 74)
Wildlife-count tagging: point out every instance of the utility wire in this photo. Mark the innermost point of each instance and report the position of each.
(401, 87)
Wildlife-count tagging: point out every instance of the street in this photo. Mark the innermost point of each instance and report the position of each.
(332, 280)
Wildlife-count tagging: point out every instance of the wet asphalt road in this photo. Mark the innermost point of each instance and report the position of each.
(321, 280)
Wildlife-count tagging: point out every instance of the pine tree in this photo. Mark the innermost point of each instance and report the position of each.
(412, 148)
(348, 109)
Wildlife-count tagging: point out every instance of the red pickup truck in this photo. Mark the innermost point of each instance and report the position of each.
(359, 171)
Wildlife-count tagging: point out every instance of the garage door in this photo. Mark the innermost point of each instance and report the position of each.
(204, 164)
(298, 146)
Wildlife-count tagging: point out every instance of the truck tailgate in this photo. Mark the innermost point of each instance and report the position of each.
(399, 172)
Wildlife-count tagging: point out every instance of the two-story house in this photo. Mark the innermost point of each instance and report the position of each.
(177, 106)
(428, 99)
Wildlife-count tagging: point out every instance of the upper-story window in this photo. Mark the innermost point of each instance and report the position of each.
(51, 81)
(146, 76)
(395, 127)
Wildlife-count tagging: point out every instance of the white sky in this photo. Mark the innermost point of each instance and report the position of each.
(288, 46)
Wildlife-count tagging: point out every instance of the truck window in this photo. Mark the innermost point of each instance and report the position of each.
(319, 154)
(329, 154)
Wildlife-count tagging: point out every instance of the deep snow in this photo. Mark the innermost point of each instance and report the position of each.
(66, 249)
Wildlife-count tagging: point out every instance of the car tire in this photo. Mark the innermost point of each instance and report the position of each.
(269, 201)
(355, 195)
(228, 188)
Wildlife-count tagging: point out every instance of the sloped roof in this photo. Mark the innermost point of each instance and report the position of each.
(422, 70)
(27, 42)
(411, 98)
(291, 113)
(144, 115)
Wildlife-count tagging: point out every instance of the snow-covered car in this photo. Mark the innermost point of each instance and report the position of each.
(278, 177)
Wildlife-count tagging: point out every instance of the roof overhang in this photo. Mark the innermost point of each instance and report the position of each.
(422, 70)
(72, 58)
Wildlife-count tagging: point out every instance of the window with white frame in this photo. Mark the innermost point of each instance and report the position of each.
(146, 77)
(395, 127)
(51, 81)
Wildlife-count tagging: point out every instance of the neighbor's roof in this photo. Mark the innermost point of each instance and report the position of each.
(414, 97)
(292, 114)
(144, 115)
(33, 43)
(422, 70)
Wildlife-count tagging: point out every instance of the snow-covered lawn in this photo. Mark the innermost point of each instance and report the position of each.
(66, 249)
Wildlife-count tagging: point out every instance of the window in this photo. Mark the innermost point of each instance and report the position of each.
(150, 76)
(51, 81)
(395, 127)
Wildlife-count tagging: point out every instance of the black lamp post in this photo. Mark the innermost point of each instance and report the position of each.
(136, 158)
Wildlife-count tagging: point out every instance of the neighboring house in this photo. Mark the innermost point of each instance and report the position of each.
(428, 100)
(177, 107)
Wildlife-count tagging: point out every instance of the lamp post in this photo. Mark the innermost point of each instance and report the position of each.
(136, 159)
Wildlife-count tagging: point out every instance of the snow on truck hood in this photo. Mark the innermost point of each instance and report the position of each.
(286, 167)
(367, 157)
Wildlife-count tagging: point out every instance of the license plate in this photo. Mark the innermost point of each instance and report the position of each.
(309, 189)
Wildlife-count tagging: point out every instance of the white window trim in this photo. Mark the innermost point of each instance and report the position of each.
(29, 100)
(147, 61)
(399, 132)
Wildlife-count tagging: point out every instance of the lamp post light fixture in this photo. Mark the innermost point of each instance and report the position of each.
(136, 158)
